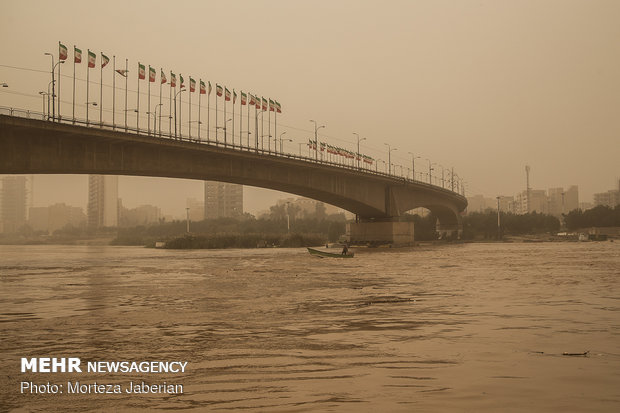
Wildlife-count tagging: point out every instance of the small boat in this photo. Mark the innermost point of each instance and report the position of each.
(322, 254)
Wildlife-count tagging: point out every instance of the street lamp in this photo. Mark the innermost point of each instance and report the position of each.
(187, 209)
(175, 113)
(358, 156)
(281, 142)
(430, 171)
(258, 112)
(499, 232)
(224, 128)
(390, 157)
(413, 158)
(155, 118)
(316, 142)
(43, 94)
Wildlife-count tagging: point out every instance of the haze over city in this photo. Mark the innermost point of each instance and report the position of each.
(484, 87)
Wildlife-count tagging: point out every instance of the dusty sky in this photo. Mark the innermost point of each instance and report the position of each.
(485, 87)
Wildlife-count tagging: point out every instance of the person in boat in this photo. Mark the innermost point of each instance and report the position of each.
(345, 249)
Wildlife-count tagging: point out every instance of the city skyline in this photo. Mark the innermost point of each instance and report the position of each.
(479, 95)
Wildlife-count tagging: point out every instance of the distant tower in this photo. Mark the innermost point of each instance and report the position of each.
(13, 201)
(223, 200)
(527, 188)
(102, 201)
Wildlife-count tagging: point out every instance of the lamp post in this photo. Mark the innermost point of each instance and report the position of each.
(175, 115)
(275, 142)
(390, 157)
(316, 142)
(43, 94)
(53, 83)
(300, 144)
(187, 219)
(258, 112)
(413, 158)
(224, 128)
(442, 175)
(155, 119)
(430, 171)
(358, 156)
(281, 144)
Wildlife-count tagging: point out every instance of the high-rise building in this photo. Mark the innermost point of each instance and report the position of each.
(223, 200)
(196, 209)
(55, 217)
(102, 201)
(13, 205)
(610, 198)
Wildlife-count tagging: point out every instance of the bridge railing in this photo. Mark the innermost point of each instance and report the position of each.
(447, 184)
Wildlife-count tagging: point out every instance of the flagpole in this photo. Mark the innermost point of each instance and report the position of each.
(269, 128)
(199, 93)
(170, 105)
(249, 120)
(275, 126)
(216, 140)
(73, 84)
(209, 113)
(113, 92)
(225, 122)
(160, 104)
(189, 125)
(126, 78)
(262, 126)
(138, 103)
(101, 94)
(87, 83)
(180, 107)
(59, 64)
(256, 126)
(240, 121)
(148, 112)
(233, 119)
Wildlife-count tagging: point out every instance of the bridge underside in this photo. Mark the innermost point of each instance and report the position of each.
(37, 147)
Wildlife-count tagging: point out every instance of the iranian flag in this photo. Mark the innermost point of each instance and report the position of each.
(163, 76)
(278, 107)
(141, 71)
(227, 97)
(173, 80)
(192, 84)
(77, 55)
(272, 106)
(203, 88)
(122, 72)
(218, 90)
(104, 60)
(244, 98)
(234, 96)
(152, 74)
(257, 102)
(181, 86)
(210, 89)
(264, 104)
(252, 100)
(62, 51)
(91, 59)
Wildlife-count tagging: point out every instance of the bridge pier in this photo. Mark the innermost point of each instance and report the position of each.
(398, 234)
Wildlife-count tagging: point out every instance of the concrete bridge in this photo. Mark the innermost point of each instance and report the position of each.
(33, 146)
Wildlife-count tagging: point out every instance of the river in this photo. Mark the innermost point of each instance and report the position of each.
(463, 327)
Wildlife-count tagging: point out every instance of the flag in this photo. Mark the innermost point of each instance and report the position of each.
(203, 88)
(77, 55)
(257, 102)
(104, 60)
(252, 100)
(227, 97)
(173, 80)
(192, 84)
(278, 107)
(272, 106)
(264, 104)
(62, 51)
(141, 69)
(152, 74)
(163, 76)
(210, 88)
(244, 98)
(122, 72)
(91, 59)
(181, 86)
(234, 96)
(218, 90)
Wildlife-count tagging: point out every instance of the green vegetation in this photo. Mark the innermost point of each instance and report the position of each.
(599, 216)
(483, 225)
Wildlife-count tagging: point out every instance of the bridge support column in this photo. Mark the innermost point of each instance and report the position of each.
(378, 233)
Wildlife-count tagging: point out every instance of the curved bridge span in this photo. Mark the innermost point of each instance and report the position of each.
(29, 146)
